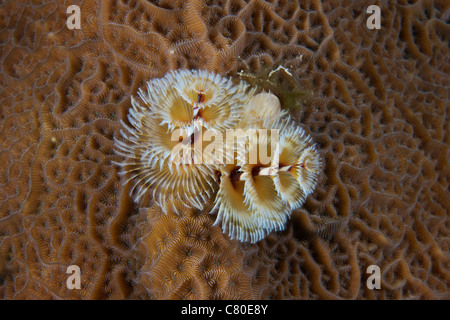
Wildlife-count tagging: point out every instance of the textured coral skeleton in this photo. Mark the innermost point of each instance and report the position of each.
(374, 101)
(251, 198)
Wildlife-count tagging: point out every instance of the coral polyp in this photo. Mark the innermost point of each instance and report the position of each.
(254, 184)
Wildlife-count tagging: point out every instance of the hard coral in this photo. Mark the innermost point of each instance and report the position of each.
(374, 101)
(186, 258)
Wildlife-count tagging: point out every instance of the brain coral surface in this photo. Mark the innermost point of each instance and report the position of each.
(375, 102)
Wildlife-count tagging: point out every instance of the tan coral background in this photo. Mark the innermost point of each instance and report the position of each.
(375, 101)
